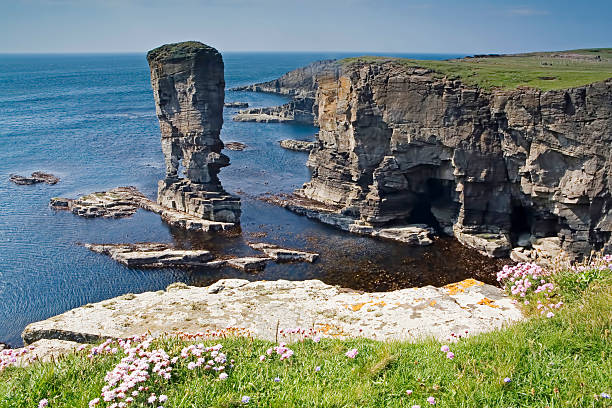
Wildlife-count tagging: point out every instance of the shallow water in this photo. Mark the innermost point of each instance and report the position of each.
(90, 119)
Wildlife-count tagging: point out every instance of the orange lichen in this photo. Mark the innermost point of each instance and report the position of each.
(357, 306)
(487, 302)
(331, 330)
(459, 287)
(432, 303)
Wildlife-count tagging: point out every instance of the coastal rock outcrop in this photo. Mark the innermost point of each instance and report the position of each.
(402, 144)
(36, 177)
(297, 145)
(280, 254)
(125, 201)
(300, 84)
(189, 87)
(299, 110)
(154, 255)
(262, 308)
(162, 255)
(236, 146)
(236, 104)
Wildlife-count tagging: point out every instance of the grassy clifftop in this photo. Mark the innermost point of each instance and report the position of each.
(541, 70)
(558, 359)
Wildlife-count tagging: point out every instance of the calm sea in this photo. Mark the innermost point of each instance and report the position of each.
(90, 119)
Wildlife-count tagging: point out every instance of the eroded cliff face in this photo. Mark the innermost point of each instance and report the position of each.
(189, 89)
(399, 144)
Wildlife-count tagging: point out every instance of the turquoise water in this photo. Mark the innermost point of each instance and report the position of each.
(90, 119)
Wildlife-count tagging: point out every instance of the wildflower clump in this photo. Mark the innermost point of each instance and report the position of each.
(530, 282)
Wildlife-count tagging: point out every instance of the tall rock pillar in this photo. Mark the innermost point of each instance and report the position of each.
(189, 88)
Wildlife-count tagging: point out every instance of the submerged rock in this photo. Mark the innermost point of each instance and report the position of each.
(36, 177)
(261, 308)
(297, 145)
(189, 89)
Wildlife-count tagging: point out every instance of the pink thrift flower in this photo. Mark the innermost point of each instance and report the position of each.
(408, 392)
(262, 358)
(152, 399)
(351, 353)
(223, 376)
(550, 314)
(445, 348)
(416, 406)
(43, 403)
(431, 400)
(94, 402)
(163, 398)
(318, 368)
(450, 355)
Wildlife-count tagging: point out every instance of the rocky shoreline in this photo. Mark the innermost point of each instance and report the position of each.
(489, 167)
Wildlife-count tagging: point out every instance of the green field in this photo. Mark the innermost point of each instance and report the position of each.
(541, 70)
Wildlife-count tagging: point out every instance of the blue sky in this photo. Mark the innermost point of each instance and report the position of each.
(446, 26)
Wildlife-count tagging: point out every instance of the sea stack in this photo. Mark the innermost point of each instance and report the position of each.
(189, 89)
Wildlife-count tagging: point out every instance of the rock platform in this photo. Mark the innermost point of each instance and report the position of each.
(125, 201)
(261, 308)
(411, 234)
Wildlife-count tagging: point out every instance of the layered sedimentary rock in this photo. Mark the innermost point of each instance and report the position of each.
(262, 308)
(300, 85)
(401, 144)
(125, 201)
(188, 85)
(299, 110)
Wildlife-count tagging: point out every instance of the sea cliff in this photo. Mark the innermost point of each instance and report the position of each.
(497, 167)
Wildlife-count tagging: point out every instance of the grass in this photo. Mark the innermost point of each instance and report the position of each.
(562, 361)
(541, 70)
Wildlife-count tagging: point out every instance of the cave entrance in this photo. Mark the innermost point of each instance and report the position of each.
(437, 195)
(520, 220)
(521, 223)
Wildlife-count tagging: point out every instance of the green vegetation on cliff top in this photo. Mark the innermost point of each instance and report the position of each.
(562, 361)
(178, 51)
(541, 70)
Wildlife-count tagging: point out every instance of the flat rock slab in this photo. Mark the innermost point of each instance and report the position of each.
(36, 177)
(280, 254)
(125, 201)
(263, 307)
(249, 263)
(151, 254)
